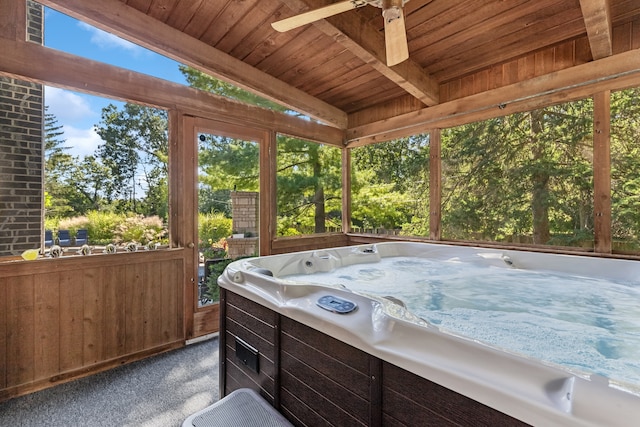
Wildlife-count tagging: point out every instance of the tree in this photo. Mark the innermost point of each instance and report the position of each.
(308, 183)
(135, 148)
(199, 80)
(228, 163)
(377, 205)
(523, 174)
(58, 168)
(390, 185)
(94, 185)
(625, 158)
(53, 142)
(396, 162)
(309, 186)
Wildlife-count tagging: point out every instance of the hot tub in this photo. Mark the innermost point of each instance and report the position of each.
(545, 339)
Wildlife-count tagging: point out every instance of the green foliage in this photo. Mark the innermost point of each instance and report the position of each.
(213, 228)
(207, 83)
(378, 206)
(51, 223)
(59, 167)
(135, 148)
(309, 176)
(133, 156)
(284, 230)
(210, 200)
(401, 162)
(523, 177)
(309, 185)
(102, 225)
(625, 158)
(390, 185)
(215, 270)
(53, 141)
(227, 163)
(110, 227)
(140, 229)
(524, 174)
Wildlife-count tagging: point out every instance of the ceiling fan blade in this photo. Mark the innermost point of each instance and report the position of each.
(395, 37)
(316, 14)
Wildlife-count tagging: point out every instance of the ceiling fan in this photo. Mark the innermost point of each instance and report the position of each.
(395, 34)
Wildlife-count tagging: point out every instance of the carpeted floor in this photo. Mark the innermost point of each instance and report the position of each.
(159, 391)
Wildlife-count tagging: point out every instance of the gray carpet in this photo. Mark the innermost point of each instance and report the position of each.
(160, 391)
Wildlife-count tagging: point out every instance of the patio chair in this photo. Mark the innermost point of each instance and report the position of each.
(64, 238)
(48, 238)
(82, 237)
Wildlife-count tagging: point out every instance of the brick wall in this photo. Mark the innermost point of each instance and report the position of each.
(244, 247)
(244, 207)
(245, 213)
(21, 155)
(35, 23)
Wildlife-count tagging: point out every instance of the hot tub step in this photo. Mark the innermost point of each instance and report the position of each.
(243, 407)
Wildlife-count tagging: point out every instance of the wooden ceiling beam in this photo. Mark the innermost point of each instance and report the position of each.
(12, 18)
(597, 19)
(360, 37)
(116, 17)
(612, 73)
(33, 62)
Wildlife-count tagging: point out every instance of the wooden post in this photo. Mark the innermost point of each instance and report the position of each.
(268, 196)
(346, 190)
(435, 185)
(183, 205)
(13, 20)
(602, 172)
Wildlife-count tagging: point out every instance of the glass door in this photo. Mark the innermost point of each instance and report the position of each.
(228, 185)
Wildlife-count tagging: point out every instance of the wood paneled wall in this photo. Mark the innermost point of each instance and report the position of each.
(625, 37)
(65, 318)
(308, 242)
(549, 76)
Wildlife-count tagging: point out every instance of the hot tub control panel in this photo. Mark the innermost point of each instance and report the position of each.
(337, 305)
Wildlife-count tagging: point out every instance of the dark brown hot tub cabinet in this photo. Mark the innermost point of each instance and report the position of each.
(316, 380)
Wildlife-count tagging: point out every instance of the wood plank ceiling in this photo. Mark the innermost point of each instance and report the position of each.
(340, 61)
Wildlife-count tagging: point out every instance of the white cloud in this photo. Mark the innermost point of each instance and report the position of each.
(106, 40)
(82, 142)
(67, 106)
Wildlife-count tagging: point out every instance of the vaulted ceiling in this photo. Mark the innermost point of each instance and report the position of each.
(335, 70)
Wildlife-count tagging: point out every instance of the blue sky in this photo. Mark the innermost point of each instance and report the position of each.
(78, 113)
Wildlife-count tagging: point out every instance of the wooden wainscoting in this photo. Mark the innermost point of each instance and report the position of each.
(283, 245)
(65, 318)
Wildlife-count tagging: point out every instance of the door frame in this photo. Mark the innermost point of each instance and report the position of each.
(205, 320)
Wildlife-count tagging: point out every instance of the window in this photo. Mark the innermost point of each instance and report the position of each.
(109, 180)
(625, 174)
(523, 178)
(390, 187)
(309, 186)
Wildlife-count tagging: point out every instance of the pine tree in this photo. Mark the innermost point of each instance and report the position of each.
(53, 132)
(58, 168)
(308, 173)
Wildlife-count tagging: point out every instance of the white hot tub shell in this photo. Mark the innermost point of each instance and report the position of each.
(530, 390)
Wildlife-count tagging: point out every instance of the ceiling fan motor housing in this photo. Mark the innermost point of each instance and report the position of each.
(384, 4)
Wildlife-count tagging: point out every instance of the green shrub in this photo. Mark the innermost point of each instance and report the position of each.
(102, 226)
(215, 270)
(140, 229)
(212, 228)
(51, 223)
